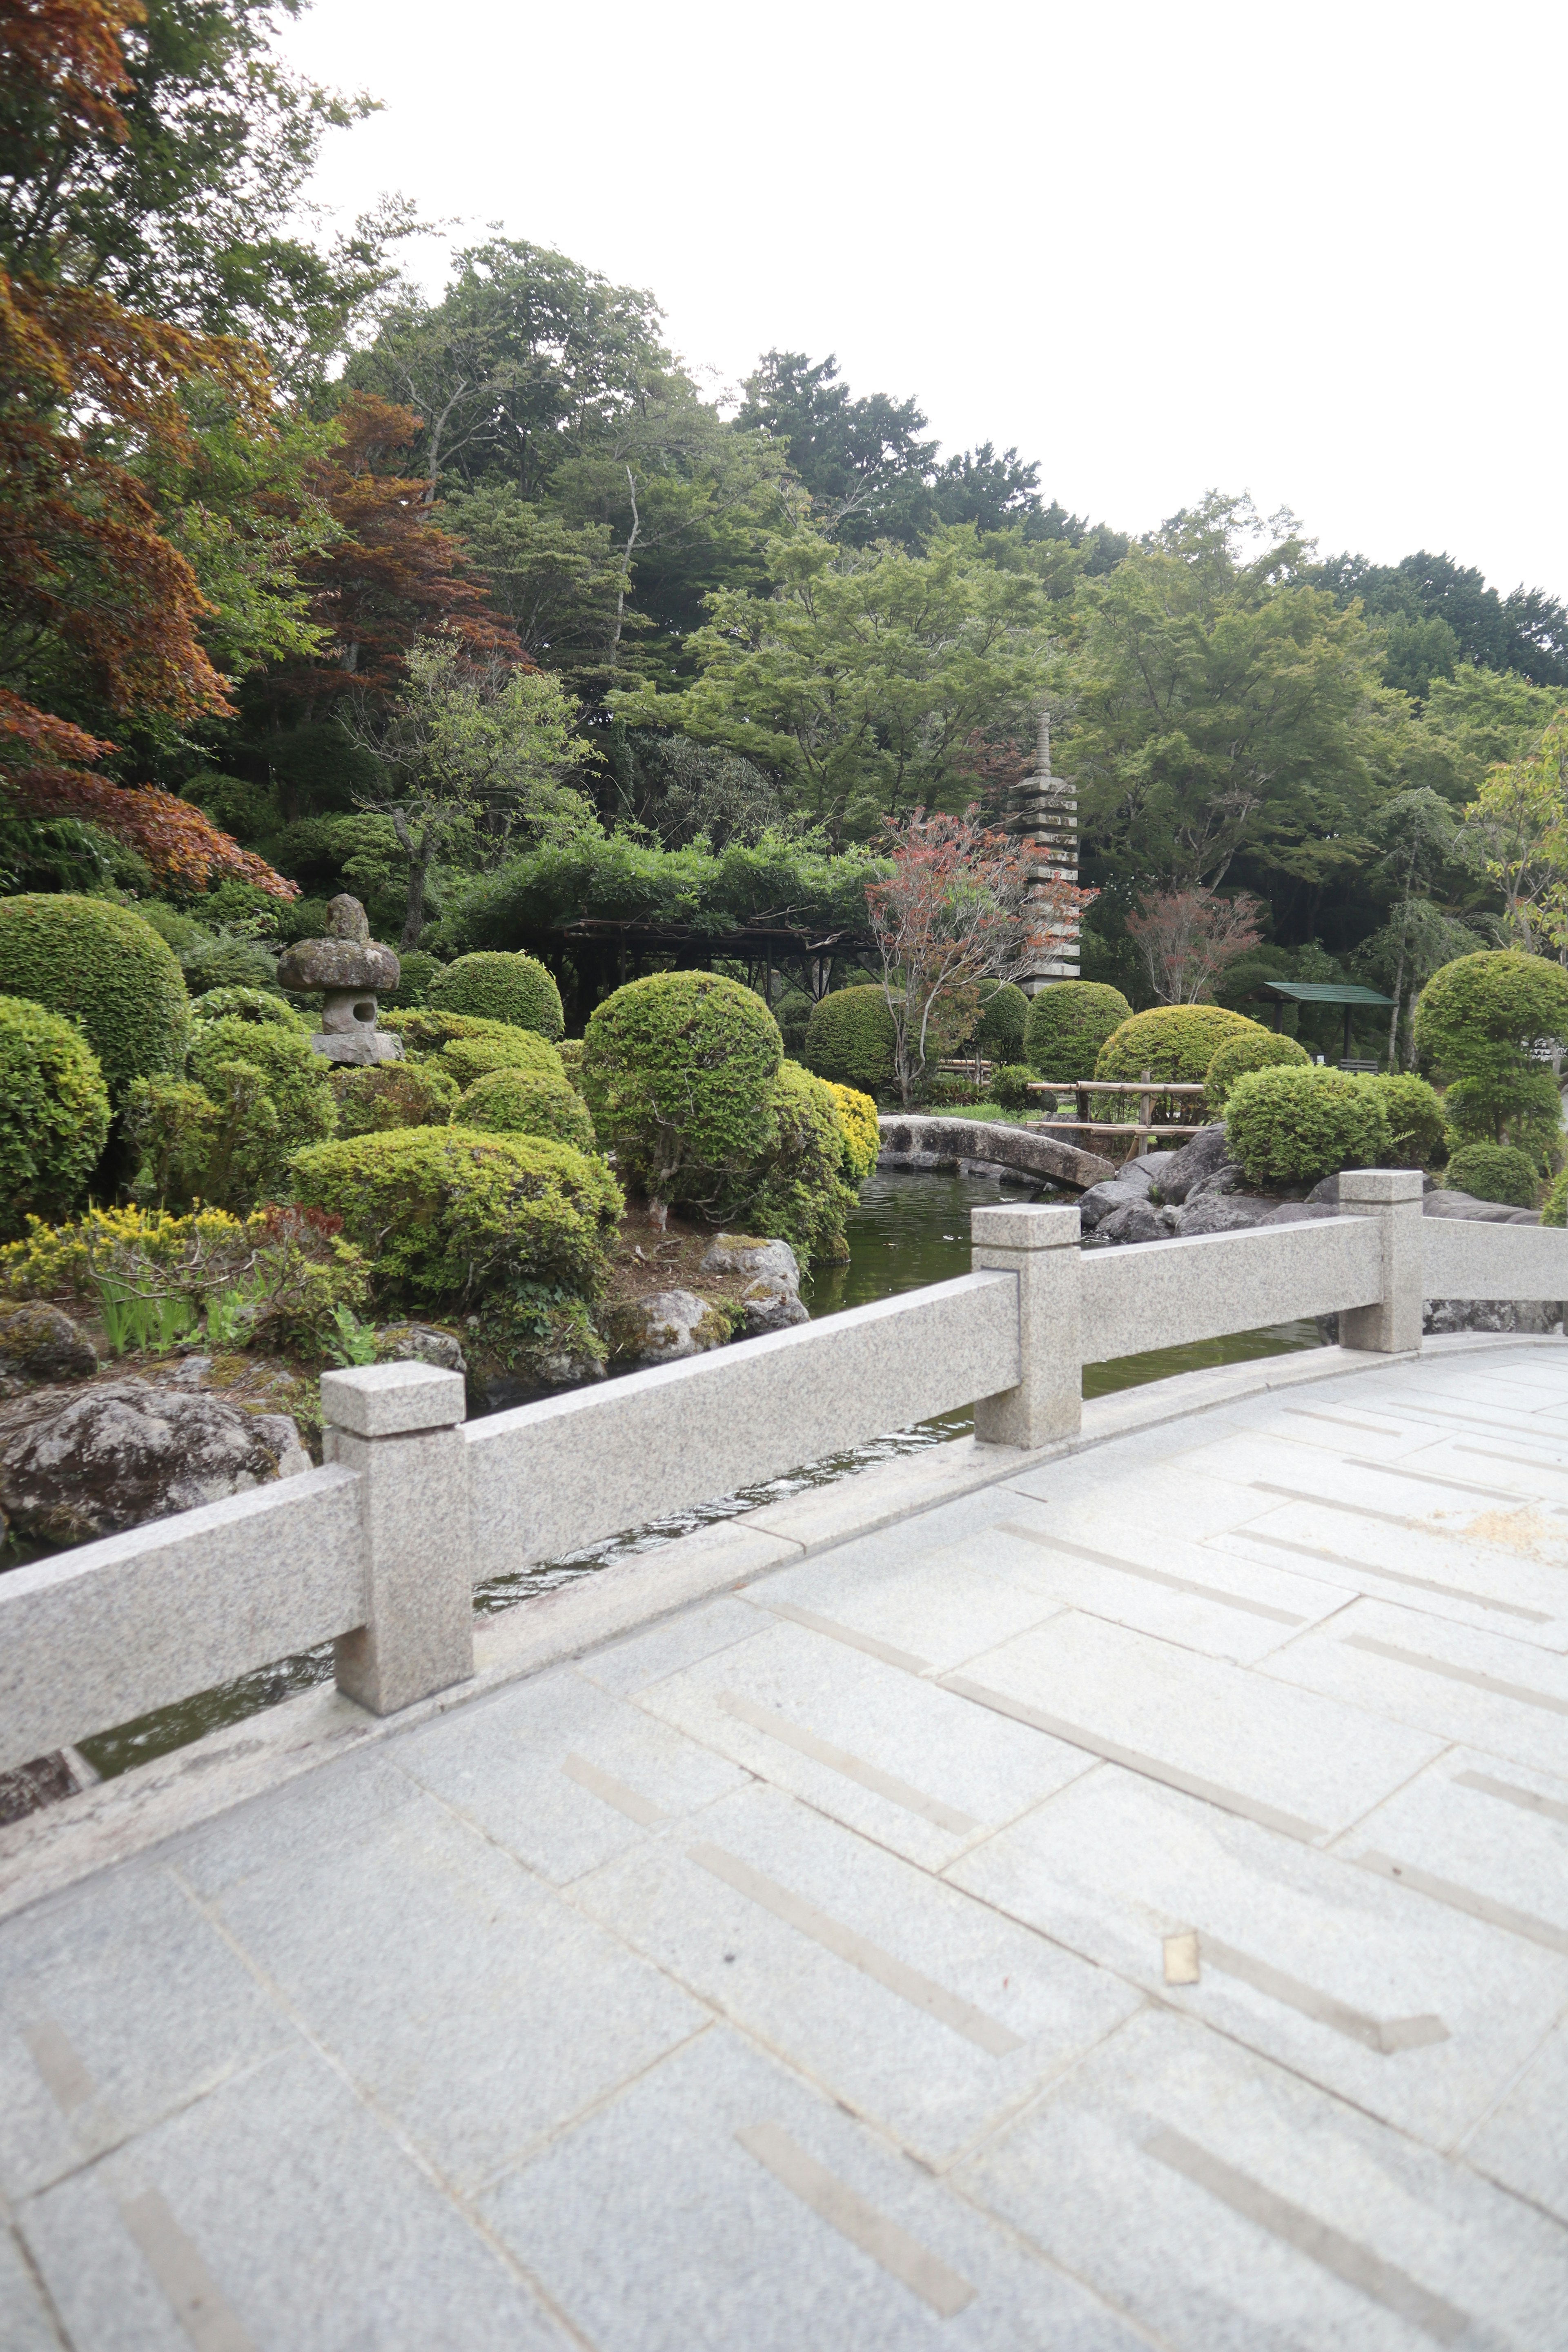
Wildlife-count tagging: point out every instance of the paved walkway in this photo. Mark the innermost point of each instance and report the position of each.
(1124, 1907)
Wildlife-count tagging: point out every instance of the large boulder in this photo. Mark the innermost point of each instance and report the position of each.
(80, 1463)
(420, 1343)
(664, 1326)
(1136, 1221)
(772, 1276)
(1219, 1213)
(1300, 1213)
(37, 1342)
(1102, 1200)
(1201, 1156)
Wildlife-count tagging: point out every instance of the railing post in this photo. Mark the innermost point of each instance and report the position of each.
(1040, 1246)
(1392, 1195)
(396, 1424)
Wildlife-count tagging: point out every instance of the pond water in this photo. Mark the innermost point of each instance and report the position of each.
(909, 1230)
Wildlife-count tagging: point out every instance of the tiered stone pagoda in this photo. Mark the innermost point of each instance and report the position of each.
(1043, 809)
(352, 969)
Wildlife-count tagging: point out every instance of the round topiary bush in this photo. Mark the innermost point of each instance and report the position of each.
(54, 1114)
(105, 969)
(297, 1080)
(862, 1137)
(1417, 1130)
(1067, 1024)
(677, 1071)
(497, 987)
(525, 1102)
(798, 1191)
(1253, 1048)
(469, 1047)
(1481, 1023)
(1010, 1086)
(415, 973)
(1177, 1042)
(385, 1095)
(793, 1012)
(1294, 1124)
(249, 1004)
(452, 1218)
(1494, 1171)
(1004, 1016)
(850, 1039)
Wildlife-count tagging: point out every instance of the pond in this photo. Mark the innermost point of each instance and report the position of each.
(907, 1231)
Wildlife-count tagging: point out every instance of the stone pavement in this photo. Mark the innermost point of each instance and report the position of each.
(1126, 1906)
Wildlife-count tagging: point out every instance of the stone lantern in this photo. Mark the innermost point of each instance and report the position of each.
(350, 969)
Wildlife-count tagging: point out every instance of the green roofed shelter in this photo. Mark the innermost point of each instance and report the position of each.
(1321, 992)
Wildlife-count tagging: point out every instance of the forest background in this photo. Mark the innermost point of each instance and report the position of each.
(485, 609)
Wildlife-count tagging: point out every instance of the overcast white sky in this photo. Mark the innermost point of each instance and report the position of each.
(1310, 252)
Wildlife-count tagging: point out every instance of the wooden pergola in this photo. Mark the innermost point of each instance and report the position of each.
(1345, 993)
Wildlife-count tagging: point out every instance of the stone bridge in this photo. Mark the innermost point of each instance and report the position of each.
(911, 1142)
(1100, 1882)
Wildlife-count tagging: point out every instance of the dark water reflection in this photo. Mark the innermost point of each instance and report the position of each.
(909, 1230)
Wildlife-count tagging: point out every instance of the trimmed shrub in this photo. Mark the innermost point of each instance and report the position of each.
(470, 1046)
(793, 1012)
(1177, 1042)
(798, 1188)
(1494, 1171)
(385, 1094)
(415, 972)
(226, 960)
(1477, 1022)
(1292, 1126)
(1417, 1130)
(1255, 1048)
(105, 969)
(249, 1004)
(1555, 1211)
(522, 1102)
(1067, 1024)
(1010, 1086)
(54, 1114)
(677, 1071)
(862, 1137)
(298, 1080)
(571, 1052)
(450, 1217)
(850, 1040)
(1004, 1016)
(499, 987)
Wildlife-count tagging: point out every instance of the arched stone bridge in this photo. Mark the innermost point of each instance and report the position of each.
(909, 1141)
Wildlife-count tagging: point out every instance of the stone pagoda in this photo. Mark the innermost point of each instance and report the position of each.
(1043, 810)
(352, 969)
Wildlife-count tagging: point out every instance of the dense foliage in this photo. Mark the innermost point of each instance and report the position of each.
(104, 968)
(1418, 1133)
(677, 1071)
(1246, 1049)
(515, 988)
(1485, 1023)
(1495, 1171)
(1067, 1026)
(54, 1114)
(524, 1102)
(862, 1136)
(850, 1039)
(1293, 1125)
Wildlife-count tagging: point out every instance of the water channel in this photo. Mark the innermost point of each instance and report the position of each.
(907, 1231)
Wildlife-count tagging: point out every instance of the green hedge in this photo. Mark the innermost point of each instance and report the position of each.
(299, 1081)
(524, 1102)
(54, 1114)
(1067, 1026)
(851, 1040)
(249, 1004)
(470, 1046)
(1294, 1126)
(417, 972)
(1478, 1023)
(1494, 1171)
(452, 1218)
(1555, 1210)
(1004, 1017)
(798, 1189)
(497, 987)
(1010, 1086)
(1177, 1042)
(1416, 1125)
(105, 969)
(385, 1094)
(1253, 1048)
(677, 1071)
(862, 1136)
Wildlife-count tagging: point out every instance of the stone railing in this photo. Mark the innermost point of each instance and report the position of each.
(379, 1550)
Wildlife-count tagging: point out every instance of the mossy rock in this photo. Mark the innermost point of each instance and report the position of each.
(102, 967)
